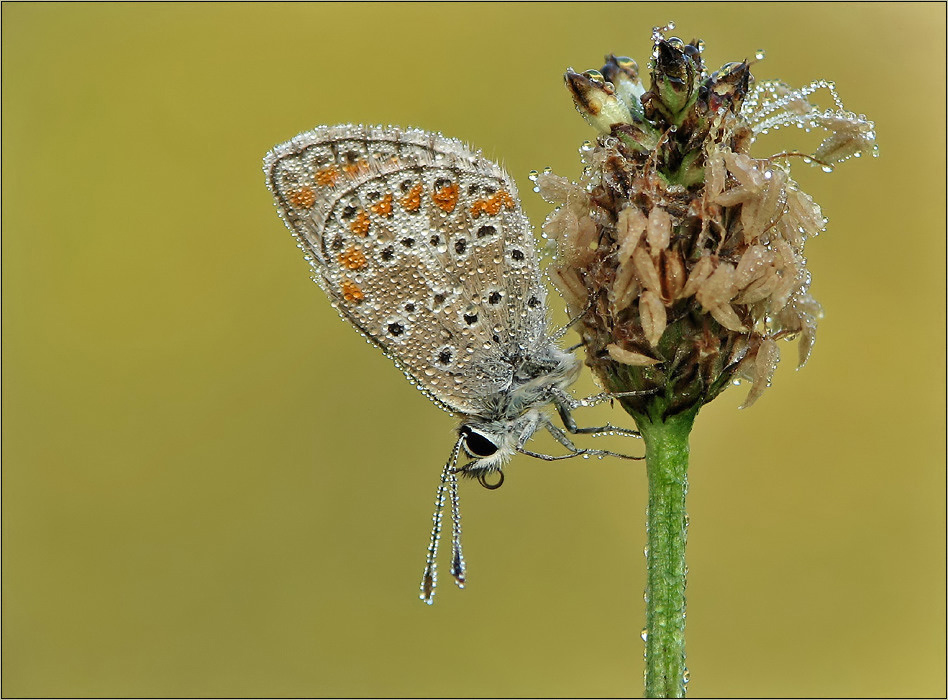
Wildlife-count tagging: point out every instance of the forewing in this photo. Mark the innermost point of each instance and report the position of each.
(422, 245)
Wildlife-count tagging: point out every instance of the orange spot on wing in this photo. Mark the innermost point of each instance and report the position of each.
(327, 177)
(478, 207)
(360, 225)
(492, 205)
(383, 207)
(412, 201)
(302, 197)
(352, 258)
(505, 199)
(446, 198)
(351, 291)
(354, 168)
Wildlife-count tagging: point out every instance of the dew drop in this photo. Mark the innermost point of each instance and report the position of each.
(760, 54)
(595, 76)
(644, 635)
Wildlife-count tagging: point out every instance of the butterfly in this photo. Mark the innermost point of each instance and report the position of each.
(422, 245)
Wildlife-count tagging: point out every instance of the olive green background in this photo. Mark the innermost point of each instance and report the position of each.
(213, 486)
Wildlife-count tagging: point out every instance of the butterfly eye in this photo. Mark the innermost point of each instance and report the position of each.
(477, 445)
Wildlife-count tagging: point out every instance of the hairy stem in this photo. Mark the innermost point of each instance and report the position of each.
(666, 454)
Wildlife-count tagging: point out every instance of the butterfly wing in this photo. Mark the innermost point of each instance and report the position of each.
(421, 244)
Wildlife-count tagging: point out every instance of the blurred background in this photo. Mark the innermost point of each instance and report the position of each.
(212, 486)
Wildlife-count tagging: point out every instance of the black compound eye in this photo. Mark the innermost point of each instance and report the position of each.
(476, 444)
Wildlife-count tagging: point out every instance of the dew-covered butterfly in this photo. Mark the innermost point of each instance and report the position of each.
(421, 244)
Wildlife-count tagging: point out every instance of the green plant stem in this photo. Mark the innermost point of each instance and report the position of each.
(666, 455)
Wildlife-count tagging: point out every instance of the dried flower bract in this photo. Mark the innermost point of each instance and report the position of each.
(681, 252)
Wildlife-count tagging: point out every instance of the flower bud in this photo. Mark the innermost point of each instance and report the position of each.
(676, 68)
(596, 100)
(623, 73)
(726, 88)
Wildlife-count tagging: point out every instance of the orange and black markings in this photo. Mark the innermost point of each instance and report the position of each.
(446, 198)
(302, 197)
(360, 225)
(352, 258)
(383, 207)
(492, 205)
(411, 202)
(356, 167)
(351, 291)
(326, 177)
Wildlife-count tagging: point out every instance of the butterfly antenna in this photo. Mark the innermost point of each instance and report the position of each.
(429, 580)
(458, 570)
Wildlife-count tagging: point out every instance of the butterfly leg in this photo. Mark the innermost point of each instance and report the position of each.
(566, 403)
(568, 444)
(556, 335)
(561, 438)
(597, 399)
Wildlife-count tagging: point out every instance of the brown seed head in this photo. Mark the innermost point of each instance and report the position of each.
(682, 251)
